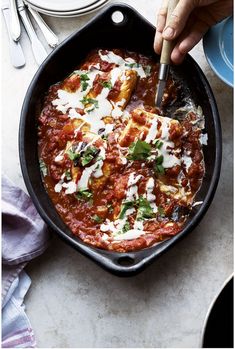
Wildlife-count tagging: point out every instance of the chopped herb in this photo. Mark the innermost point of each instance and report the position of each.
(43, 167)
(132, 65)
(68, 175)
(84, 78)
(158, 165)
(160, 169)
(84, 85)
(87, 100)
(88, 155)
(139, 150)
(144, 210)
(83, 194)
(158, 143)
(147, 69)
(107, 84)
(159, 160)
(124, 208)
(126, 227)
(97, 219)
(72, 155)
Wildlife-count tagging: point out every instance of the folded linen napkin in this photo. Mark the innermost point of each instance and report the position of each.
(24, 237)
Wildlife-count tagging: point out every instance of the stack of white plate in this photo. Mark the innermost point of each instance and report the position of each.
(66, 8)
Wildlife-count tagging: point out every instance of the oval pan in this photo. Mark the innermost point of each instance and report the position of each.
(134, 33)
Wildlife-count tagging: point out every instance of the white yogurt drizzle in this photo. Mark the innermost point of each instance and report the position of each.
(69, 101)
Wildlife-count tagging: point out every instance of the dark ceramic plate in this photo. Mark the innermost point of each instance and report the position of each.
(219, 325)
(133, 33)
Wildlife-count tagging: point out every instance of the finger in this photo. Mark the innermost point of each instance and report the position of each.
(158, 42)
(178, 19)
(191, 35)
(161, 17)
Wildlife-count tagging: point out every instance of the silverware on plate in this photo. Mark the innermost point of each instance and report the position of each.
(38, 49)
(50, 37)
(16, 53)
(15, 29)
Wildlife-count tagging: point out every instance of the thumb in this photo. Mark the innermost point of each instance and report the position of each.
(178, 19)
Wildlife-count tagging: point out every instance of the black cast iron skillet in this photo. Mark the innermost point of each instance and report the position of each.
(218, 331)
(133, 33)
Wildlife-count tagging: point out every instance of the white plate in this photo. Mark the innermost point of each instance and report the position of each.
(62, 5)
(66, 14)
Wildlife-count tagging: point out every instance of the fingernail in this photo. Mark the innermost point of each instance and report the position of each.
(168, 33)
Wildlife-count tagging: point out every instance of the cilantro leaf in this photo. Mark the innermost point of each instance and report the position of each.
(158, 165)
(144, 210)
(88, 155)
(72, 155)
(139, 150)
(68, 175)
(43, 168)
(126, 227)
(87, 100)
(107, 84)
(124, 208)
(84, 194)
(132, 65)
(84, 78)
(97, 219)
(158, 143)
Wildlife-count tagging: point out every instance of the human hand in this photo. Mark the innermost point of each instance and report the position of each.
(188, 23)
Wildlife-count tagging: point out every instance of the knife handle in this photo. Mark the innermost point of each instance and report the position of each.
(50, 37)
(167, 46)
(16, 53)
(14, 22)
(38, 49)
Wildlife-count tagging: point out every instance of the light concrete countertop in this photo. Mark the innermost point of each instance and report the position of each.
(74, 303)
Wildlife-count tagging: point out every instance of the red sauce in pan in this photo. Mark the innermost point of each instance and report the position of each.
(142, 180)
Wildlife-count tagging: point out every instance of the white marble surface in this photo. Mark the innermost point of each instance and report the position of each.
(74, 303)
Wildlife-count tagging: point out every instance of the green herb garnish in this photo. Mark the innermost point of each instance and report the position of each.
(139, 150)
(84, 194)
(124, 208)
(97, 219)
(72, 155)
(158, 165)
(43, 167)
(107, 84)
(87, 100)
(68, 175)
(132, 65)
(88, 155)
(158, 143)
(126, 227)
(84, 78)
(144, 210)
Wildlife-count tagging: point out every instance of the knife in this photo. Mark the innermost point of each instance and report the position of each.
(165, 60)
(38, 49)
(16, 53)
(14, 22)
(50, 37)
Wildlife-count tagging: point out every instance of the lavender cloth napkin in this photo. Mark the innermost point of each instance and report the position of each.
(24, 234)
